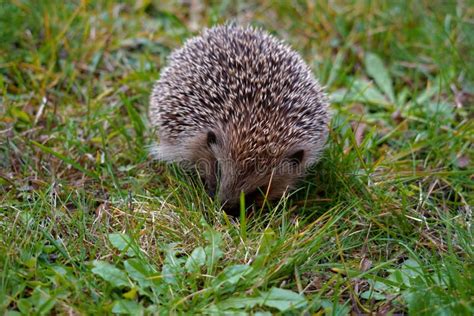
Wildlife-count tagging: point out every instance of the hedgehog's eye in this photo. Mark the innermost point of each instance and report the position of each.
(211, 138)
(296, 158)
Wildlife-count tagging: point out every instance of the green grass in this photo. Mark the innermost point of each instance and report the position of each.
(89, 225)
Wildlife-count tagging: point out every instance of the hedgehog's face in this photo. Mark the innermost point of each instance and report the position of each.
(267, 176)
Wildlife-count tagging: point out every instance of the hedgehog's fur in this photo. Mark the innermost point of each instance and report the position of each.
(237, 102)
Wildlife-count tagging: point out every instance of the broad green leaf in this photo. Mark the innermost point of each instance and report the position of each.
(339, 96)
(196, 260)
(335, 308)
(410, 270)
(39, 303)
(25, 306)
(140, 271)
(428, 93)
(169, 275)
(283, 300)
(110, 273)
(377, 70)
(127, 307)
(366, 92)
(379, 286)
(372, 295)
(336, 67)
(240, 303)
(213, 252)
(231, 276)
(405, 276)
(443, 111)
(122, 242)
(397, 277)
(173, 267)
(171, 259)
(267, 243)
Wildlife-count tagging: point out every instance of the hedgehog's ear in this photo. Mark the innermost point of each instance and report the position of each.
(296, 158)
(211, 138)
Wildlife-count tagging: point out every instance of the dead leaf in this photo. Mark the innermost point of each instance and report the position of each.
(397, 116)
(365, 264)
(463, 161)
(359, 129)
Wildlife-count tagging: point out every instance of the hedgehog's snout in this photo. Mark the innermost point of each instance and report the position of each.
(231, 204)
(229, 199)
(231, 207)
(211, 192)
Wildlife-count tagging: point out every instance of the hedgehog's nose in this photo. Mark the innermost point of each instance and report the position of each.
(230, 206)
(230, 200)
(211, 193)
(232, 209)
(210, 189)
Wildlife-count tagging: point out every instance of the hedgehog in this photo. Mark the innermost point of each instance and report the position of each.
(241, 108)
